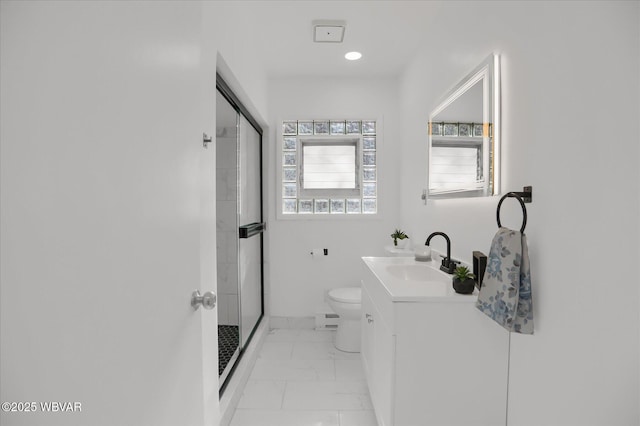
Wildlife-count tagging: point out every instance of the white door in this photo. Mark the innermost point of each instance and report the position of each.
(101, 216)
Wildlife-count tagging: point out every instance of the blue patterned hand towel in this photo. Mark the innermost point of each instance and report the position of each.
(505, 295)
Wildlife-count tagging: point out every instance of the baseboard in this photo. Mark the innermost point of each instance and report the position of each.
(297, 323)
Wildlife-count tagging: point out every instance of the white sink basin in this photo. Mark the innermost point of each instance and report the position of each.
(415, 272)
(405, 279)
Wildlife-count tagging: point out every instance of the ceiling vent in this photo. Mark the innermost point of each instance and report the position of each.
(328, 31)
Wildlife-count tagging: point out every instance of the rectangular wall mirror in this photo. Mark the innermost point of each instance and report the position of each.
(464, 137)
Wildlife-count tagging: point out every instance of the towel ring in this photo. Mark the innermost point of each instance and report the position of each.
(524, 209)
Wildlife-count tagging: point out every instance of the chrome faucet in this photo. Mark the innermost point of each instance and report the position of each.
(448, 264)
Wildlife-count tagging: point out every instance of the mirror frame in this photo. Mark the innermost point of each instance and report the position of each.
(489, 73)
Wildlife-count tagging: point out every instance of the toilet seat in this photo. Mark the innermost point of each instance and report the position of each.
(346, 295)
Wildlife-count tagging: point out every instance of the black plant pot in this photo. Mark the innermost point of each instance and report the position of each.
(464, 287)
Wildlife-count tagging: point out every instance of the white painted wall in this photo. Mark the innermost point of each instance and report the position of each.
(234, 29)
(570, 83)
(299, 281)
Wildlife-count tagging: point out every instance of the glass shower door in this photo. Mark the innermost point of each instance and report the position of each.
(239, 228)
(227, 240)
(251, 228)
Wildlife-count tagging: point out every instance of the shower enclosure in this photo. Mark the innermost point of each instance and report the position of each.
(239, 227)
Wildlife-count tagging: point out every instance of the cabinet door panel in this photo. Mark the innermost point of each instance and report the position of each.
(455, 357)
(384, 369)
(368, 344)
(378, 354)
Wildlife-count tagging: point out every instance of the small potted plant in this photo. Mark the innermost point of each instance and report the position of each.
(463, 280)
(398, 235)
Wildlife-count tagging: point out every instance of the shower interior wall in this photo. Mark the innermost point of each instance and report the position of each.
(226, 227)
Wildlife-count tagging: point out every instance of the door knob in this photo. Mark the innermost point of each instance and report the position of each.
(207, 300)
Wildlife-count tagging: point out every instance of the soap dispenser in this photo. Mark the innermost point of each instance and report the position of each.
(479, 266)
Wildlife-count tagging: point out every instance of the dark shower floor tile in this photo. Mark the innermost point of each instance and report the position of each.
(227, 345)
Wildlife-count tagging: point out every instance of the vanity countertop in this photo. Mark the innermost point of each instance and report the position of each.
(406, 280)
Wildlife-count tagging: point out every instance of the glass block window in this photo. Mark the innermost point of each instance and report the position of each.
(329, 167)
(337, 127)
(305, 127)
(321, 127)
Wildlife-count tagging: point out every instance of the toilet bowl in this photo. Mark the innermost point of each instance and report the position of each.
(346, 302)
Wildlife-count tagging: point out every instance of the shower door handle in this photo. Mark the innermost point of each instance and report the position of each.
(207, 300)
(248, 231)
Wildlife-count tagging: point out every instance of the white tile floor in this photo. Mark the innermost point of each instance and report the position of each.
(301, 379)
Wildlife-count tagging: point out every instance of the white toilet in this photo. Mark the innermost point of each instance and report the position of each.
(347, 303)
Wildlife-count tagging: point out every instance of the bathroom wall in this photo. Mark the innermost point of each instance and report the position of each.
(570, 128)
(233, 32)
(298, 280)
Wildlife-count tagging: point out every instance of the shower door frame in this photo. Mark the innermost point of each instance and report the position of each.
(241, 110)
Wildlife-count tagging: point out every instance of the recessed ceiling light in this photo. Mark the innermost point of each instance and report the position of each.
(353, 56)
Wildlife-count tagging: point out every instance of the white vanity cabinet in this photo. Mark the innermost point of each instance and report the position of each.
(378, 351)
(431, 358)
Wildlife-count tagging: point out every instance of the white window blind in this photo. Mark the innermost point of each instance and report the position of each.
(454, 168)
(328, 166)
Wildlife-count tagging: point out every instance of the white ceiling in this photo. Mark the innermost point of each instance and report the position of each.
(387, 33)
